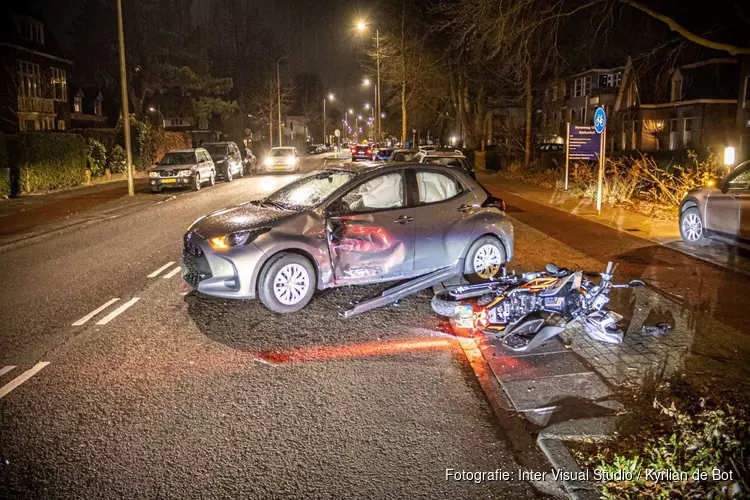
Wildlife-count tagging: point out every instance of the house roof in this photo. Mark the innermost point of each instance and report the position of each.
(10, 36)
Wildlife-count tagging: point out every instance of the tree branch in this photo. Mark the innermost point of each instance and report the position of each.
(693, 37)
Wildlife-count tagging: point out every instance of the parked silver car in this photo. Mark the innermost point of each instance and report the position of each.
(720, 210)
(183, 168)
(349, 224)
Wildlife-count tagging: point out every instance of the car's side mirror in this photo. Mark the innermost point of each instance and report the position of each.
(491, 201)
(636, 284)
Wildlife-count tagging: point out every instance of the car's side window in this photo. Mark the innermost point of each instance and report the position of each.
(382, 192)
(740, 182)
(434, 187)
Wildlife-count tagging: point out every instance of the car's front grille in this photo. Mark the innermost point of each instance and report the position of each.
(168, 173)
(196, 264)
(191, 246)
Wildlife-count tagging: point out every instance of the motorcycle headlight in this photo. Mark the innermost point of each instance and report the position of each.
(153, 174)
(268, 161)
(236, 239)
(185, 173)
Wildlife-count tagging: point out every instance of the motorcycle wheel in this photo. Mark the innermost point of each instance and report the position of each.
(444, 305)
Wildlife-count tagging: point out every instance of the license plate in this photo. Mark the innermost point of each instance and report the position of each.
(169, 181)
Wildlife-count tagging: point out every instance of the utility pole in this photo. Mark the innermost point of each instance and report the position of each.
(124, 99)
(377, 87)
(278, 94)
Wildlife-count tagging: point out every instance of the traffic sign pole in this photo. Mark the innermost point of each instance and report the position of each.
(600, 125)
(567, 154)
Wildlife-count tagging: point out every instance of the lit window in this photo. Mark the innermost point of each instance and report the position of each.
(59, 84)
(676, 89)
(77, 103)
(30, 80)
(60, 124)
(746, 103)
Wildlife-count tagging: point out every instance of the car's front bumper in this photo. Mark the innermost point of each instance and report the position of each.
(171, 182)
(227, 274)
(280, 168)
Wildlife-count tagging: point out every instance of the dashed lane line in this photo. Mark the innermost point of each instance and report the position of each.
(124, 307)
(158, 271)
(6, 369)
(172, 272)
(4, 390)
(95, 312)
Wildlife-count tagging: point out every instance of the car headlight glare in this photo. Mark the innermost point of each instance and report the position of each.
(268, 161)
(291, 160)
(153, 174)
(236, 239)
(185, 173)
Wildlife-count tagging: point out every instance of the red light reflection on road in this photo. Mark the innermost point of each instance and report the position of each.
(321, 353)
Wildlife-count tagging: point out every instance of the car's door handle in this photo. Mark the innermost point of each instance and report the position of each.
(464, 208)
(404, 219)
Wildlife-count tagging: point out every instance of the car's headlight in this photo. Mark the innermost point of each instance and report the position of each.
(268, 161)
(236, 239)
(153, 174)
(291, 160)
(185, 173)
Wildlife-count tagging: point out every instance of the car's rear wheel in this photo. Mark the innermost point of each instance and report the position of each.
(484, 260)
(286, 283)
(691, 228)
(212, 179)
(197, 182)
(241, 172)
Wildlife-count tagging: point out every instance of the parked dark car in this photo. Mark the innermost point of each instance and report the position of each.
(344, 225)
(382, 154)
(720, 210)
(402, 155)
(227, 159)
(449, 158)
(182, 168)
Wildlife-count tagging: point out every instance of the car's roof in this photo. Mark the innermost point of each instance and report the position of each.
(222, 143)
(183, 150)
(283, 147)
(360, 168)
(446, 154)
(407, 150)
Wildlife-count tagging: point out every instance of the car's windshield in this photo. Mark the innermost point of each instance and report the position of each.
(178, 159)
(451, 161)
(282, 152)
(216, 149)
(310, 190)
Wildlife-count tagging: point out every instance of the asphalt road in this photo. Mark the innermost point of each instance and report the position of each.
(164, 393)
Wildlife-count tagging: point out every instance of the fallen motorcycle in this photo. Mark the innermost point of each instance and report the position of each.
(523, 311)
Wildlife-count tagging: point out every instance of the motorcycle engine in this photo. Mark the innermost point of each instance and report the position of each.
(515, 306)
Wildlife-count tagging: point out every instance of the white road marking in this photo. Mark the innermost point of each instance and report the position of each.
(4, 390)
(94, 312)
(6, 369)
(172, 272)
(109, 317)
(158, 271)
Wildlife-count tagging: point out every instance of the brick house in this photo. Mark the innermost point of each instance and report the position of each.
(34, 83)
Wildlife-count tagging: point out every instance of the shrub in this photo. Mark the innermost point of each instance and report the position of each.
(166, 141)
(141, 142)
(117, 159)
(96, 158)
(45, 160)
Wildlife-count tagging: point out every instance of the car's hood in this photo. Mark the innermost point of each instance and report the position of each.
(186, 166)
(248, 215)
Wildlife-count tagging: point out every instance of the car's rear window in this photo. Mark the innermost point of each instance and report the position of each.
(216, 149)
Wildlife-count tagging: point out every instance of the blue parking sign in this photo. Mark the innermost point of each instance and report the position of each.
(600, 120)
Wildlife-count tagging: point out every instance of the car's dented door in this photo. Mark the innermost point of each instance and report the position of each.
(369, 244)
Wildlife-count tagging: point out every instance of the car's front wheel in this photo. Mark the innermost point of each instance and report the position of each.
(212, 179)
(484, 260)
(287, 283)
(691, 228)
(228, 176)
(197, 182)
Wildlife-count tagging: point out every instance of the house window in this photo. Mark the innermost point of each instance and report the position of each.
(60, 124)
(31, 30)
(676, 89)
(746, 101)
(632, 91)
(572, 116)
(673, 134)
(30, 80)
(203, 123)
(77, 103)
(98, 105)
(687, 133)
(587, 85)
(611, 80)
(59, 84)
(578, 87)
(582, 114)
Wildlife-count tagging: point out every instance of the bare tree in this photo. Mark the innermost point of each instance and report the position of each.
(265, 103)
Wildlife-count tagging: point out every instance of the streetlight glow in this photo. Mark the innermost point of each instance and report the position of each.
(366, 81)
(361, 25)
(330, 96)
(367, 105)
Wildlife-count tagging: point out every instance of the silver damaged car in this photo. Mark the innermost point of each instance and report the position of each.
(348, 225)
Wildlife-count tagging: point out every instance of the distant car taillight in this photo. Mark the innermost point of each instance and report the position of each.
(354, 150)
(369, 151)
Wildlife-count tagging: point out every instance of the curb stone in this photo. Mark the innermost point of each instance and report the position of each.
(560, 458)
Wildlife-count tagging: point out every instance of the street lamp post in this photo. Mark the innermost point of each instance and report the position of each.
(362, 26)
(278, 94)
(124, 99)
(330, 96)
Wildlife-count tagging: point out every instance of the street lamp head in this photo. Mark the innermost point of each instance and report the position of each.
(151, 108)
(351, 111)
(382, 115)
(367, 105)
(330, 97)
(359, 117)
(361, 25)
(366, 81)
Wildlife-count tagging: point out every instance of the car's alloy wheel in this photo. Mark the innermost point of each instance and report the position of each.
(487, 261)
(229, 173)
(691, 228)
(212, 179)
(484, 259)
(197, 182)
(291, 283)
